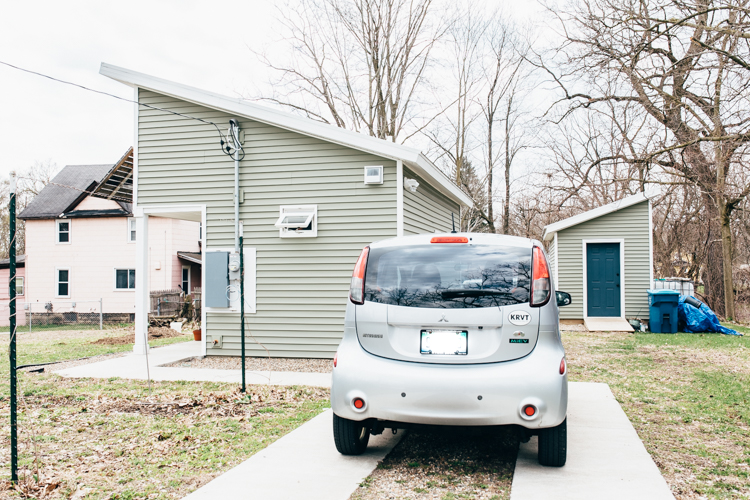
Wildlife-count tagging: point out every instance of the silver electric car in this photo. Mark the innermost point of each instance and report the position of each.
(452, 329)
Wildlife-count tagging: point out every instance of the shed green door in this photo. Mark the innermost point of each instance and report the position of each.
(603, 279)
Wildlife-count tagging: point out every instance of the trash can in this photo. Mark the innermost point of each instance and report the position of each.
(662, 310)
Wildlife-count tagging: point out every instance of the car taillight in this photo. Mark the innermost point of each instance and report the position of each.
(357, 287)
(449, 239)
(541, 286)
(335, 359)
(562, 366)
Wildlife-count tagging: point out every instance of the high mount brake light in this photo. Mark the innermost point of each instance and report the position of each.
(357, 287)
(541, 287)
(449, 239)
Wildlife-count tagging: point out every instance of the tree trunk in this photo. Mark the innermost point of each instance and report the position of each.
(713, 270)
(726, 251)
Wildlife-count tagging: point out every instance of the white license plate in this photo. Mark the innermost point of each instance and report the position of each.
(444, 342)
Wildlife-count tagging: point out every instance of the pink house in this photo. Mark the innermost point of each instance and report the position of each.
(5, 291)
(80, 244)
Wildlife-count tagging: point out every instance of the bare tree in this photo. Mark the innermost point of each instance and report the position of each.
(358, 64)
(30, 182)
(685, 65)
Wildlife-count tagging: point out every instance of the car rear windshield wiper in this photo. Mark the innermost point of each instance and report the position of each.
(451, 294)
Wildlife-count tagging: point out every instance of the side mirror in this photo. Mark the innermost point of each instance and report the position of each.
(563, 299)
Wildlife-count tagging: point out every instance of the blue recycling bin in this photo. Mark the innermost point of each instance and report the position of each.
(662, 310)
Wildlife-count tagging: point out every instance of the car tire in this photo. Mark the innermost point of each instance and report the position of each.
(553, 445)
(351, 437)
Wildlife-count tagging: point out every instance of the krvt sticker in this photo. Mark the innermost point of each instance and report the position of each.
(519, 318)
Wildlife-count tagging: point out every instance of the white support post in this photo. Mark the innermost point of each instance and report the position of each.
(141, 284)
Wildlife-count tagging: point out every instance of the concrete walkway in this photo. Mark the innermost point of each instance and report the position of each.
(133, 366)
(606, 458)
(304, 464)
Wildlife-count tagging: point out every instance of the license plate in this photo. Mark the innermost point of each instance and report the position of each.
(444, 342)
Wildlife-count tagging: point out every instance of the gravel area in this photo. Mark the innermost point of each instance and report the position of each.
(446, 463)
(258, 364)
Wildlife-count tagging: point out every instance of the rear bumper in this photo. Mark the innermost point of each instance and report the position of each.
(450, 394)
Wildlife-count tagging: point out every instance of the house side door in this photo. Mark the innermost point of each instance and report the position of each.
(603, 279)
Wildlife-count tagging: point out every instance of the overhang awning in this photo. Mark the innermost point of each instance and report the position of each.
(194, 257)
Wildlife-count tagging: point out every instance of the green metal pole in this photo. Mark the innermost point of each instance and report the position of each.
(242, 309)
(12, 273)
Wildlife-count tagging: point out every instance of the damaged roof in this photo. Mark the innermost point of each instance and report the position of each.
(74, 183)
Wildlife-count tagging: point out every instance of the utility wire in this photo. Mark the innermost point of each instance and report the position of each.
(209, 122)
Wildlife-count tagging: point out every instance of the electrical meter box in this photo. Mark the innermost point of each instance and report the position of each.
(234, 266)
(217, 279)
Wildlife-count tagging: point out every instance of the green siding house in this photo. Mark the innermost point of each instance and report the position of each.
(296, 278)
(604, 259)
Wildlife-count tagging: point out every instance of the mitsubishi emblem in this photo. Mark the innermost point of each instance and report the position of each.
(442, 319)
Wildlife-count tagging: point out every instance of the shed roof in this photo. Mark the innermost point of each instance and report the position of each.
(411, 157)
(551, 229)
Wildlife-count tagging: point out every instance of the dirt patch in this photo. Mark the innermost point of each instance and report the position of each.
(117, 441)
(446, 463)
(154, 333)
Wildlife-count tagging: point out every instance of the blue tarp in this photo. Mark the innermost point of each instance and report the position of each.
(694, 320)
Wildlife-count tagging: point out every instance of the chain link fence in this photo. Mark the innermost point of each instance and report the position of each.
(69, 315)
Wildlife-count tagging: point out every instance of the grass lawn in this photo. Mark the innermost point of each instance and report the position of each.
(115, 439)
(687, 397)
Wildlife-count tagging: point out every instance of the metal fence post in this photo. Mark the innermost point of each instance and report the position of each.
(101, 315)
(29, 318)
(12, 335)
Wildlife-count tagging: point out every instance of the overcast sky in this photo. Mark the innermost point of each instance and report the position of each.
(199, 43)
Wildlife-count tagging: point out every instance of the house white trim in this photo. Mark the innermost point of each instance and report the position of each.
(584, 245)
(399, 198)
(57, 282)
(135, 149)
(128, 239)
(557, 260)
(69, 231)
(551, 229)
(413, 158)
(650, 246)
(195, 213)
(182, 274)
(114, 279)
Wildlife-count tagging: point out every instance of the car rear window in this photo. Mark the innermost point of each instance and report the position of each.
(448, 276)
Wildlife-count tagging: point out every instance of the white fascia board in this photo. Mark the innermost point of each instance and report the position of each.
(551, 229)
(330, 133)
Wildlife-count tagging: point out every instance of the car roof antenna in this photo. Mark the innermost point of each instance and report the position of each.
(453, 220)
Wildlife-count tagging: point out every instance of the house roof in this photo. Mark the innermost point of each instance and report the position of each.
(551, 229)
(66, 190)
(20, 262)
(413, 158)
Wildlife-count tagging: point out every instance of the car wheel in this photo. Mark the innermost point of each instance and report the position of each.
(553, 445)
(350, 436)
